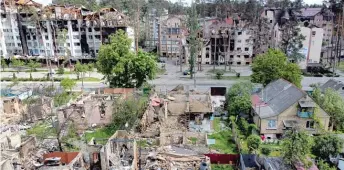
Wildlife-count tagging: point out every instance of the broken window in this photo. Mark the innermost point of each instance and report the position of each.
(231, 56)
(310, 124)
(246, 56)
(207, 56)
(238, 56)
(238, 63)
(246, 49)
(46, 37)
(238, 48)
(247, 63)
(239, 33)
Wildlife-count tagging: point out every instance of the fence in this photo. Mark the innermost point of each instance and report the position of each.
(232, 159)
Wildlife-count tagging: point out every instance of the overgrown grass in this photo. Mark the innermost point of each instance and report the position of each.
(223, 142)
(42, 130)
(275, 148)
(341, 66)
(217, 124)
(100, 133)
(221, 167)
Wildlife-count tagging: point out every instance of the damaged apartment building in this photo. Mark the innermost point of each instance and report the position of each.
(28, 29)
(229, 42)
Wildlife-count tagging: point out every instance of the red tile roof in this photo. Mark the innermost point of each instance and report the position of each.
(66, 157)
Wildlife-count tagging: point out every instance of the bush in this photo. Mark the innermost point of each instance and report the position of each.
(266, 150)
(219, 74)
(238, 75)
(60, 70)
(253, 142)
(14, 76)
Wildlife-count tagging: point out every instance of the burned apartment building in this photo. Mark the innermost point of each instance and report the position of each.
(229, 42)
(55, 31)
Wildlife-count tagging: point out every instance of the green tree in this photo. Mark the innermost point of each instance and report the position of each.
(327, 145)
(193, 39)
(80, 70)
(333, 104)
(238, 98)
(322, 165)
(67, 84)
(296, 147)
(253, 142)
(3, 64)
(33, 65)
(90, 68)
(274, 65)
(121, 66)
(17, 64)
(60, 70)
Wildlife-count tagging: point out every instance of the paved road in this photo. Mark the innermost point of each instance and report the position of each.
(169, 80)
(87, 85)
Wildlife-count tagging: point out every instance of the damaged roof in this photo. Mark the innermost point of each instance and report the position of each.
(275, 98)
(66, 157)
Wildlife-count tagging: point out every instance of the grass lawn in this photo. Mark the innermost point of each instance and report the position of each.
(100, 133)
(233, 77)
(24, 70)
(221, 167)
(90, 79)
(223, 142)
(341, 66)
(216, 70)
(217, 124)
(275, 149)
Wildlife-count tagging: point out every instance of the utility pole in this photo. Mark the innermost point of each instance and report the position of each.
(214, 57)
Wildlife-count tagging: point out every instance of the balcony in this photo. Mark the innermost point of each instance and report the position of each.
(305, 114)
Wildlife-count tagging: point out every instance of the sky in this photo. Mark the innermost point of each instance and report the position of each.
(46, 2)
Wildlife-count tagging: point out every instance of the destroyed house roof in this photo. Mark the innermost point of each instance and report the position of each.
(310, 12)
(333, 84)
(275, 98)
(66, 157)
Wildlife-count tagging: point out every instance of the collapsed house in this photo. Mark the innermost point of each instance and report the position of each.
(120, 152)
(178, 122)
(63, 161)
(89, 111)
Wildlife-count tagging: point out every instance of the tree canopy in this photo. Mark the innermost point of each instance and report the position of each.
(68, 84)
(274, 65)
(33, 65)
(327, 145)
(296, 147)
(333, 104)
(238, 98)
(121, 66)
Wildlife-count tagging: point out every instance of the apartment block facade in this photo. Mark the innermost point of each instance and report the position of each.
(228, 43)
(152, 28)
(172, 40)
(59, 31)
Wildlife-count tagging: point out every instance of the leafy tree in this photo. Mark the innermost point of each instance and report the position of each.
(333, 104)
(274, 65)
(33, 65)
(296, 147)
(219, 74)
(90, 68)
(60, 70)
(80, 70)
(322, 165)
(327, 145)
(194, 42)
(253, 142)
(3, 64)
(31, 77)
(120, 65)
(68, 84)
(291, 38)
(18, 64)
(238, 98)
